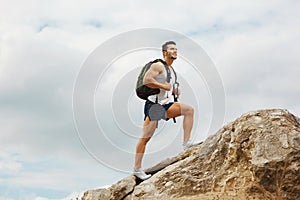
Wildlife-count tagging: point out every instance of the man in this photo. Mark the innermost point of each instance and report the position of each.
(155, 77)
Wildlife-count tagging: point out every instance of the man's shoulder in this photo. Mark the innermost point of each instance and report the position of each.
(158, 66)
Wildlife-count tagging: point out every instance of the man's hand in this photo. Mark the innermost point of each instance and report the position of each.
(176, 91)
(167, 86)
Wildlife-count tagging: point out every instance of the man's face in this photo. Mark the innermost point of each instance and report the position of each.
(171, 51)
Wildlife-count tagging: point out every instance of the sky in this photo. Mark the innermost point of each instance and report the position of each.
(68, 122)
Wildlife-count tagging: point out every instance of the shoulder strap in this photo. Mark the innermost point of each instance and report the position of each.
(174, 74)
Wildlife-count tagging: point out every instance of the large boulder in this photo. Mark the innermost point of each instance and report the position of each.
(255, 157)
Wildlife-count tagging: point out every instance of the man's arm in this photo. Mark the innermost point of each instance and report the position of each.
(152, 73)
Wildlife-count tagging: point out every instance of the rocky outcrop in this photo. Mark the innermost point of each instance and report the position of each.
(255, 157)
(117, 191)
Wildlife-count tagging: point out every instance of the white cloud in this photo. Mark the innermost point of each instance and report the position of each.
(74, 196)
(40, 198)
(9, 163)
(10, 166)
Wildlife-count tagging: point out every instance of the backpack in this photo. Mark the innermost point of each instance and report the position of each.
(143, 91)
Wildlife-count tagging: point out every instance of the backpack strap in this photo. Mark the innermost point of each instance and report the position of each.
(174, 74)
(175, 89)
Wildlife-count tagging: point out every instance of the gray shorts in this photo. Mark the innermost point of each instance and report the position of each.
(148, 105)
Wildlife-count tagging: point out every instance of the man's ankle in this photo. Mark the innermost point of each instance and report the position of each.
(141, 174)
(187, 144)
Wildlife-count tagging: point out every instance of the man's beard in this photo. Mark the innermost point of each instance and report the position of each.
(171, 56)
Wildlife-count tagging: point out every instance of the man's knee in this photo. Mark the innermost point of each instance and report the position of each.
(189, 110)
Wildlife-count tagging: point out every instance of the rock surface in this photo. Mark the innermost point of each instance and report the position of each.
(255, 157)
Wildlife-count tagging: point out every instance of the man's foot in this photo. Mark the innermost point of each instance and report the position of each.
(187, 144)
(141, 174)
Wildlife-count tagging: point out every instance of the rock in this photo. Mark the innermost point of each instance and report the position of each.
(120, 189)
(161, 165)
(255, 157)
(103, 194)
(117, 191)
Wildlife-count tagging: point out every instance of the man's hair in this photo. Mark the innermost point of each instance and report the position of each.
(165, 45)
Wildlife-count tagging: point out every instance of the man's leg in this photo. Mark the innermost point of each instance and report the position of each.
(148, 131)
(178, 109)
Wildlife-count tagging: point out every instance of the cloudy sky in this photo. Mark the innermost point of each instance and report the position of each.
(48, 150)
